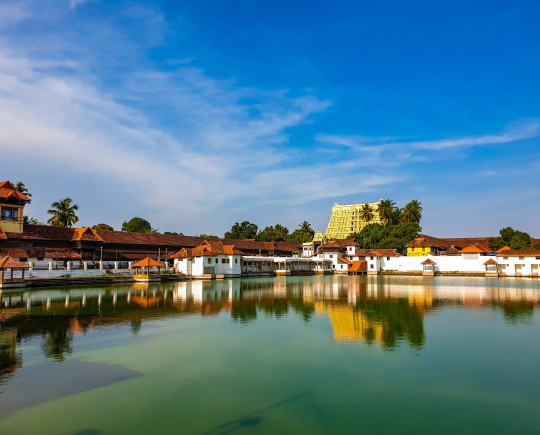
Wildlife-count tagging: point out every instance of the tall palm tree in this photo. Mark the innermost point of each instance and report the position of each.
(21, 187)
(366, 213)
(63, 213)
(386, 211)
(412, 212)
(305, 227)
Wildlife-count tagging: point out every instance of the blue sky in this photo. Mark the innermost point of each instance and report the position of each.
(197, 114)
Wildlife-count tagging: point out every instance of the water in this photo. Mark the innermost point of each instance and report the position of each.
(333, 354)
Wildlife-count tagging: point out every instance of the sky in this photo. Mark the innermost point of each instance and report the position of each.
(198, 114)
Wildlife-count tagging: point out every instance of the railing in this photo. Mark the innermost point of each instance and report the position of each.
(209, 270)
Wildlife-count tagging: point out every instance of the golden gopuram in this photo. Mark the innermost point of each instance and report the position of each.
(346, 219)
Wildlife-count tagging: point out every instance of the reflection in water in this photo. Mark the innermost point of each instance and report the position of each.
(381, 311)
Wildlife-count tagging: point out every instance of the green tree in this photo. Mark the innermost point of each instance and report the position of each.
(412, 212)
(303, 234)
(510, 237)
(386, 211)
(277, 233)
(21, 187)
(208, 236)
(536, 245)
(63, 213)
(366, 213)
(387, 236)
(172, 233)
(103, 227)
(31, 221)
(245, 230)
(137, 225)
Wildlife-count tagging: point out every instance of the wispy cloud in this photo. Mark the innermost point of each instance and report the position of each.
(74, 4)
(12, 13)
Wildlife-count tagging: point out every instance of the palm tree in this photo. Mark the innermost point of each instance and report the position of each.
(63, 213)
(366, 213)
(386, 210)
(21, 187)
(305, 227)
(412, 212)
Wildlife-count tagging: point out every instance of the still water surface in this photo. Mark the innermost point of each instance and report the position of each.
(332, 354)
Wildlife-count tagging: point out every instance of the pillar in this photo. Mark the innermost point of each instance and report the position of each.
(116, 265)
(50, 265)
(68, 265)
(85, 265)
(130, 265)
(31, 264)
(101, 265)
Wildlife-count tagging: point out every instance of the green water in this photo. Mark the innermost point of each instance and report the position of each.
(333, 354)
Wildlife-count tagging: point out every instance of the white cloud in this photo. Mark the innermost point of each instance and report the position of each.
(12, 13)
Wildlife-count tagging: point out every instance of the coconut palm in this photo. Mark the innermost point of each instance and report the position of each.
(305, 227)
(21, 187)
(63, 213)
(386, 210)
(366, 213)
(412, 212)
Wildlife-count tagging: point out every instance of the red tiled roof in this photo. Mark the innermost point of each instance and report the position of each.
(148, 262)
(10, 262)
(423, 241)
(428, 261)
(362, 252)
(462, 242)
(358, 266)
(490, 261)
(451, 251)
(384, 253)
(344, 260)
(473, 249)
(8, 192)
(504, 248)
(531, 252)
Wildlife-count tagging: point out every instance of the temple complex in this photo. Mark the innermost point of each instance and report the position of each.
(346, 219)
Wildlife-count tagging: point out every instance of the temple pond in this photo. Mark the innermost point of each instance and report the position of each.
(316, 354)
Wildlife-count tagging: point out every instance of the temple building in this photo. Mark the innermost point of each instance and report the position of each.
(346, 219)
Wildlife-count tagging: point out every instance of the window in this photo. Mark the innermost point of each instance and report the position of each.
(39, 258)
(209, 261)
(228, 260)
(10, 214)
(505, 258)
(387, 258)
(235, 260)
(222, 261)
(522, 258)
(371, 258)
(371, 266)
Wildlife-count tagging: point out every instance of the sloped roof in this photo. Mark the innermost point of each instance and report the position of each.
(474, 249)
(384, 253)
(8, 262)
(490, 261)
(344, 260)
(428, 261)
(463, 242)
(8, 192)
(504, 248)
(531, 252)
(358, 266)
(148, 262)
(362, 252)
(423, 241)
(451, 251)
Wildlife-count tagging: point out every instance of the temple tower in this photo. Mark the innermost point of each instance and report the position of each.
(346, 219)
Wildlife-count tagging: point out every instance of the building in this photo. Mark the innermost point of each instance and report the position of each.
(346, 219)
(12, 205)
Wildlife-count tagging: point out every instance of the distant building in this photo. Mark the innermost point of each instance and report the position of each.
(12, 205)
(346, 219)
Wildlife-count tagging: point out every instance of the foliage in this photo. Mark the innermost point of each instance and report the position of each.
(63, 213)
(386, 211)
(137, 225)
(366, 213)
(387, 236)
(303, 234)
(172, 233)
(31, 221)
(510, 237)
(208, 236)
(245, 230)
(536, 245)
(103, 227)
(412, 212)
(21, 187)
(277, 233)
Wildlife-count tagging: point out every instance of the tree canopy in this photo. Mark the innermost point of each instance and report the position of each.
(387, 236)
(27, 220)
(412, 212)
(277, 233)
(208, 236)
(172, 233)
(103, 227)
(21, 187)
(137, 225)
(510, 237)
(245, 230)
(303, 234)
(63, 213)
